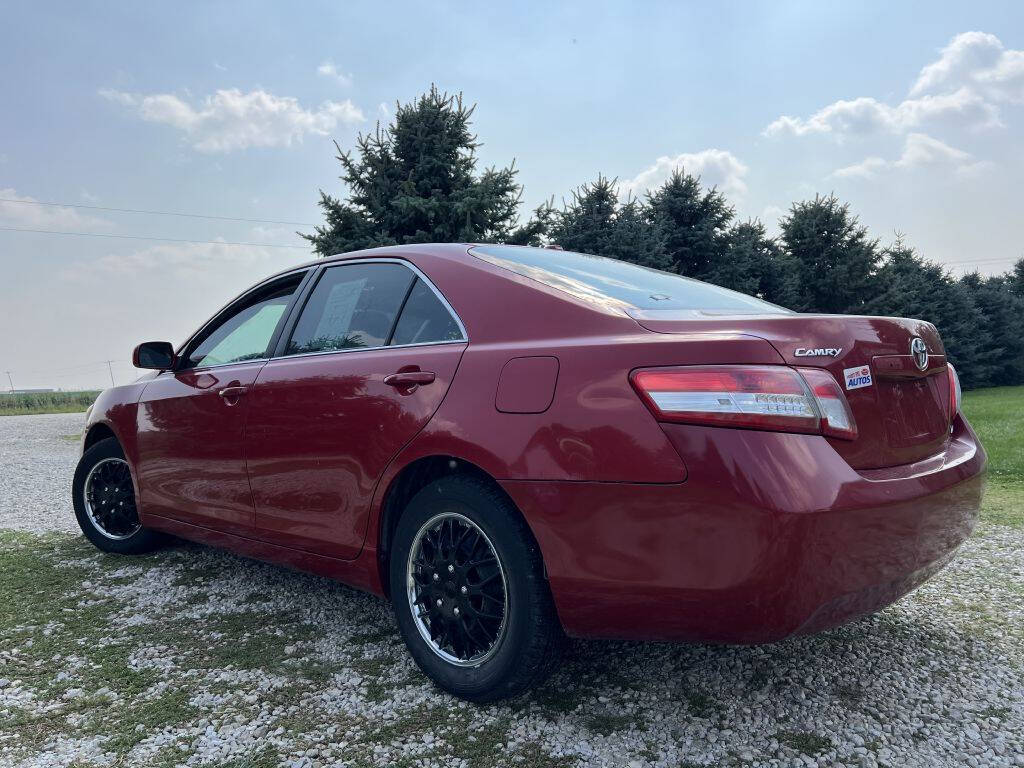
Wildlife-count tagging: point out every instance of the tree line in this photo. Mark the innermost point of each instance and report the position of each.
(416, 180)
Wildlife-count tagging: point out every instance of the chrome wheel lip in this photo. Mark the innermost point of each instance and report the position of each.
(421, 626)
(87, 505)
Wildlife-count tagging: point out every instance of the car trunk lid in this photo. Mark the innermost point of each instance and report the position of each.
(902, 411)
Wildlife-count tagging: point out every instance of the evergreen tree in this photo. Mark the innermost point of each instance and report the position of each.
(1001, 318)
(594, 221)
(415, 181)
(1015, 279)
(695, 222)
(535, 231)
(915, 287)
(755, 264)
(835, 257)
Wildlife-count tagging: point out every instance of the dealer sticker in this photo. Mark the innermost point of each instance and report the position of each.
(857, 377)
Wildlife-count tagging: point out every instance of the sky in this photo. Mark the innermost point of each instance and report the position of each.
(913, 113)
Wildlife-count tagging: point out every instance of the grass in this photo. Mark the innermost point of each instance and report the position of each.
(997, 415)
(45, 402)
(805, 743)
(55, 609)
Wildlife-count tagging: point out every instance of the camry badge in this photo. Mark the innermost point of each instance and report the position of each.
(817, 352)
(919, 351)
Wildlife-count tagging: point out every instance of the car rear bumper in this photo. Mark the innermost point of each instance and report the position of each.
(771, 535)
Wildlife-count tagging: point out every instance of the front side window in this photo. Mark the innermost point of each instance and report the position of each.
(353, 306)
(246, 333)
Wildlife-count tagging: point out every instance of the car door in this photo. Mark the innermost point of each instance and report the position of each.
(368, 361)
(191, 420)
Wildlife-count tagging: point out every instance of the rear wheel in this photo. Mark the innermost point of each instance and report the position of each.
(104, 500)
(468, 587)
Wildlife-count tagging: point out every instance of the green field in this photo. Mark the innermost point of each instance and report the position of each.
(997, 415)
(45, 402)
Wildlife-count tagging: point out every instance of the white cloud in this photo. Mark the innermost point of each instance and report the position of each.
(272, 233)
(231, 120)
(716, 167)
(979, 61)
(865, 116)
(26, 215)
(120, 97)
(180, 263)
(167, 289)
(328, 69)
(919, 150)
(865, 169)
(965, 87)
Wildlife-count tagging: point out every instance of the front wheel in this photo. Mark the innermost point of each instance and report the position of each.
(468, 588)
(104, 500)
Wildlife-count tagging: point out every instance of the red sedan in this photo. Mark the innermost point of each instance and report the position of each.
(515, 444)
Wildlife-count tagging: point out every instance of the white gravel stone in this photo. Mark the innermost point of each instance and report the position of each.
(38, 461)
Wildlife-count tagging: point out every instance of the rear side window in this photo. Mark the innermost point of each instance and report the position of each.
(352, 306)
(615, 283)
(425, 319)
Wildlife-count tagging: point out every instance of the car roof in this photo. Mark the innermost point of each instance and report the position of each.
(450, 250)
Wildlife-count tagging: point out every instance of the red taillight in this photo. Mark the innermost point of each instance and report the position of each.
(836, 417)
(955, 393)
(756, 397)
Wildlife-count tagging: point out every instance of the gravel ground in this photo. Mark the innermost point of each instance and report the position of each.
(198, 657)
(38, 454)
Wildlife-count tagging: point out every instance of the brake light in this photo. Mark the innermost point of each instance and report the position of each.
(836, 417)
(955, 393)
(770, 397)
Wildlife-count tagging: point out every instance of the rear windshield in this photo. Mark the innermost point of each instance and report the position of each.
(638, 290)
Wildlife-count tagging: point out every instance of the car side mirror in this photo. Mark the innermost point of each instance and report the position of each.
(158, 355)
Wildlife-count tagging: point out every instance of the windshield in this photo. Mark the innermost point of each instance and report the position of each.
(635, 289)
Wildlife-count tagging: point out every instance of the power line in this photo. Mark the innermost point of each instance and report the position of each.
(70, 369)
(970, 262)
(157, 213)
(160, 239)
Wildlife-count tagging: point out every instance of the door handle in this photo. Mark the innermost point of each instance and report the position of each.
(404, 379)
(230, 393)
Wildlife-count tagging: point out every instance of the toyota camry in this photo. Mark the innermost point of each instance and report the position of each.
(516, 445)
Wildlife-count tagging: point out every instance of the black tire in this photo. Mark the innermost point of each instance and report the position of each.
(531, 639)
(131, 542)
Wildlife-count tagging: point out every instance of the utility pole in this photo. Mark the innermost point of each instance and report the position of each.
(111, 369)
(10, 380)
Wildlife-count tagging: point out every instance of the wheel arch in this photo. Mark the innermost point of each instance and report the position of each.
(409, 481)
(96, 432)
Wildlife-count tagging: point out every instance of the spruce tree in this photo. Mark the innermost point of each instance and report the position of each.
(416, 181)
(755, 264)
(1001, 318)
(836, 259)
(594, 221)
(1015, 279)
(695, 222)
(914, 287)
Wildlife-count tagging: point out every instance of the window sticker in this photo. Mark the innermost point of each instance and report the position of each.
(857, 377)
(339, 308)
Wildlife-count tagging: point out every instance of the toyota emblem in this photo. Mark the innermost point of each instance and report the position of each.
(919, 351)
